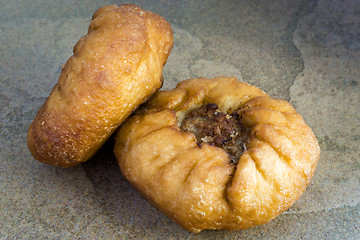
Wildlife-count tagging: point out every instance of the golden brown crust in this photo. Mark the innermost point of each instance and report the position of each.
(198, 187)
(115, 68)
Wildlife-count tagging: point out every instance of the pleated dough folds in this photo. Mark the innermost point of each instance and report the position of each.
(197, 185)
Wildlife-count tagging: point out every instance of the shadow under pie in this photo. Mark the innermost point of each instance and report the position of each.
(120, 202)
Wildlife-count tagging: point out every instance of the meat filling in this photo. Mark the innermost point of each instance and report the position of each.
(224, 130)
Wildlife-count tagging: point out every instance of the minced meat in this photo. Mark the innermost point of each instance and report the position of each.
(212, 126)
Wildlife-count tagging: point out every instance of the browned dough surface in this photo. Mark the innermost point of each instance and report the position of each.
(198, 186)
(115, 67)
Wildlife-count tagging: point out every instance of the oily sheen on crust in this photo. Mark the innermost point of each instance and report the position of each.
(115, 67)
(196, 184)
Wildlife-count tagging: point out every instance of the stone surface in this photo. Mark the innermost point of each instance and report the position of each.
(307, 52)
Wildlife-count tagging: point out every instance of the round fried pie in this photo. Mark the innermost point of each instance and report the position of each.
(115, 67)
(217, 154)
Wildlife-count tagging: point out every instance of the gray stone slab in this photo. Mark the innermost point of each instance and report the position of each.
(307, 52)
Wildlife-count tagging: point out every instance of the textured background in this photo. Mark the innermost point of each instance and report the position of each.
(307, 52)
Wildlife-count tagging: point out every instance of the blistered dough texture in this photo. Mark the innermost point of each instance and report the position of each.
(115, 68)
(198, 186)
